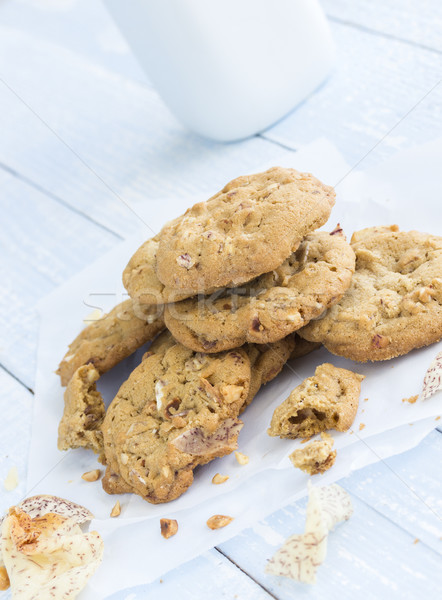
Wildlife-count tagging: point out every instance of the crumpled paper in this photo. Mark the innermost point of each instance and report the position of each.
(364, 199)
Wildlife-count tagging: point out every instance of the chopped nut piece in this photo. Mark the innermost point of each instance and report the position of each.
(380, 341)
(411, 400)
(4, 579)
(218, 478)
(169, 527)
(218, 521)
(243, 459)
(92, 475)
(11, 481)
(116, 511)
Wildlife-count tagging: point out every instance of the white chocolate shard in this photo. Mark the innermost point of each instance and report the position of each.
(301, 555)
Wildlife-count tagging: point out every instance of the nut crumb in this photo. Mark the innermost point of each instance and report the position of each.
(361, 426)
(92, 475)
(307, 439)
(169, 527)
(11, 481)
(243, 459)
(116, 511)
(4, 579)
(411, 400)
(218, 521)
(218, 478)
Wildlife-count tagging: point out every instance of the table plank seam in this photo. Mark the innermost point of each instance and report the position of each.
(17, 379)
(264, 137)
(378, 512)
(387, 36)
(266, 590)
(24, 179)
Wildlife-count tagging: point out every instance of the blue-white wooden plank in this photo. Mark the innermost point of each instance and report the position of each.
(42, 243)
(377, 84)
(416, 22)
(132, 149)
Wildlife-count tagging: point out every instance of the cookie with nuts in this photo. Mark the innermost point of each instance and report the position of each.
(271, 306)
(107, 341)
(83, 412)
(177, 410)
(327, 400)
(141, 281)
(248, 228)
(394, 302)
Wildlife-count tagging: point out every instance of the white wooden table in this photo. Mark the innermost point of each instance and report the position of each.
(86, 144)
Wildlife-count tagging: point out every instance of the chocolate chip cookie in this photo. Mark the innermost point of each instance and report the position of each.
(271, 306)
(394, 302)
(106, 342)
(250, 227)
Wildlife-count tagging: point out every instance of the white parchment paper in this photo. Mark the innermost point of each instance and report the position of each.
(407, 190)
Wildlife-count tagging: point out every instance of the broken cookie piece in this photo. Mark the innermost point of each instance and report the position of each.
(83, 412)
(109, 340)
(316, 457)
(328, 400)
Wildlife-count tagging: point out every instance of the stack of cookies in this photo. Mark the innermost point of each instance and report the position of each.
(234, 280)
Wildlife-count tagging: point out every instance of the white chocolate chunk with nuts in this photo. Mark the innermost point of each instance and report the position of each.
(48, 555)
(301, 555)
(432, 379)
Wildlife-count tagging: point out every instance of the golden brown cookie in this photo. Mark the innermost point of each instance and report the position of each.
(328, 400)
(316, 457)
(250, 227)
(394, 303)
(267, 361)
(83, 412)
(106, 342)
(177, 410)
(141, 281)
(272, 306)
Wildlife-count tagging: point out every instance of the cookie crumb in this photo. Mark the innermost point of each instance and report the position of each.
(4, 579)
(11, 481)
(169, 527)
(92, 475)
(411, 400)
(361, 426)
(218, 521)
(316, 457)
(437, 418)
(218, 478)
(116, 511)
(365, 399)
(416, 541)
(242, 459)
(305, 440)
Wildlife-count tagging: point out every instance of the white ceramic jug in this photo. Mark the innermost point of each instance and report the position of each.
(228, 68)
